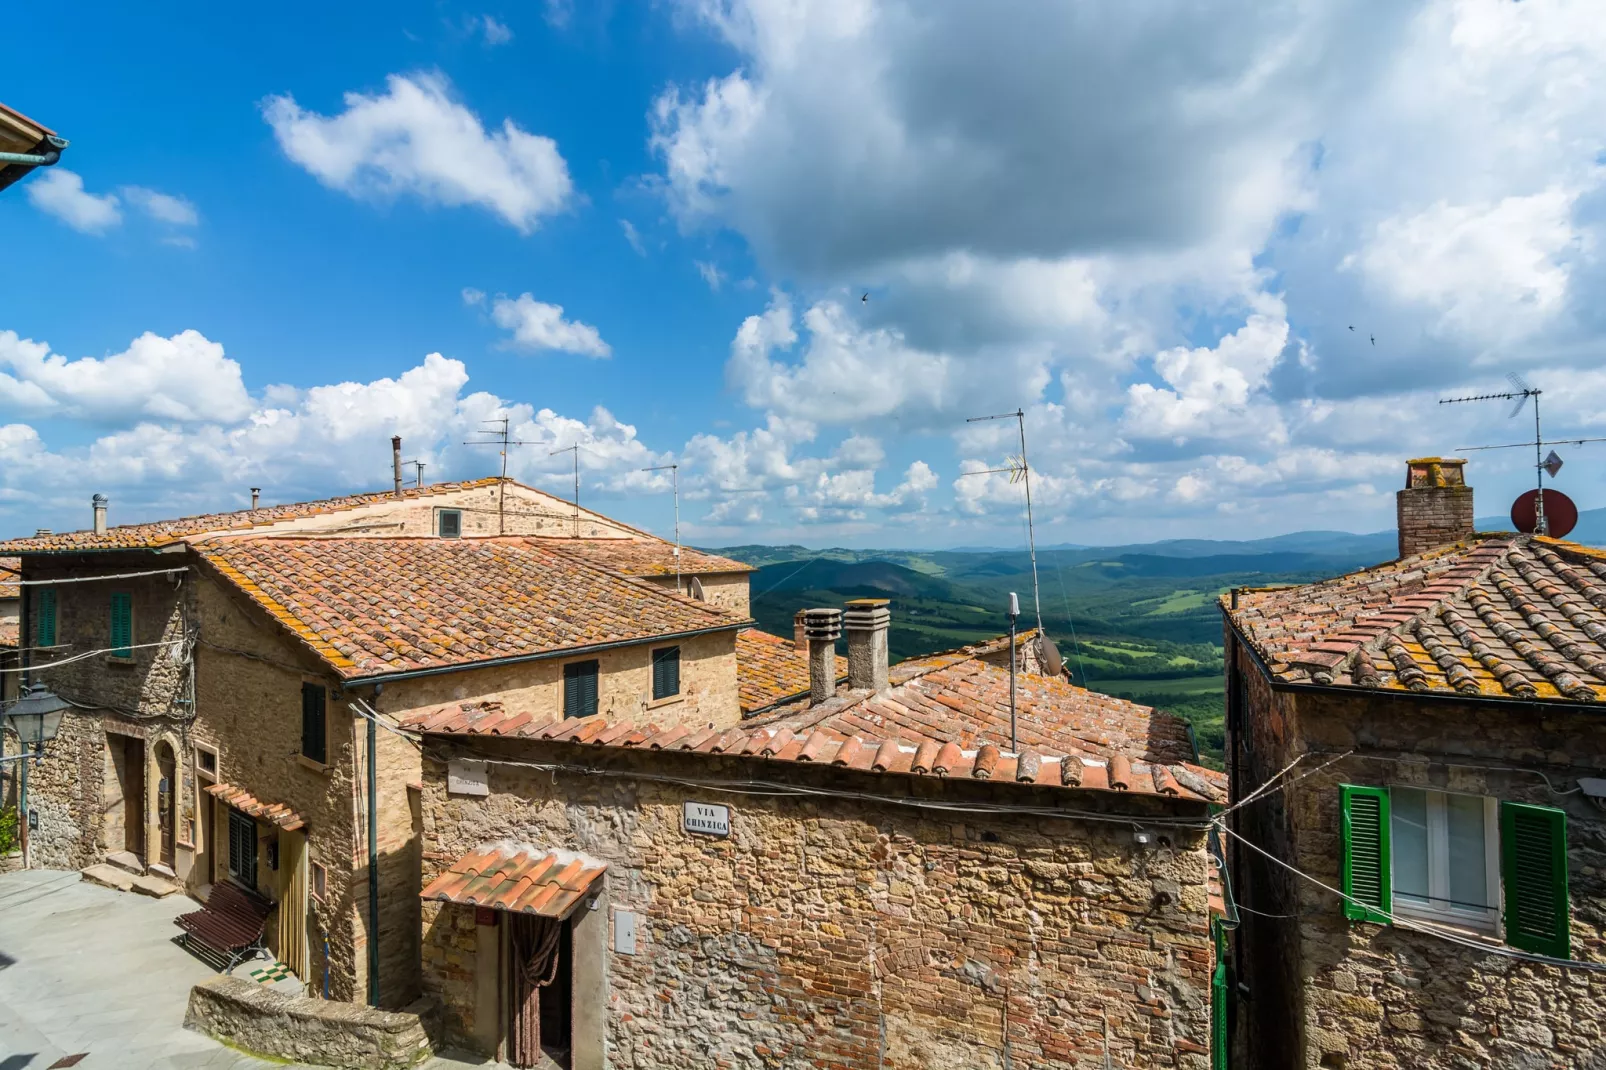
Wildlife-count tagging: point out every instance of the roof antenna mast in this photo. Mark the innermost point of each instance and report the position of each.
(1520, 392)
(1020, 472)
(499, 437)
(574, 449)
(674, 476)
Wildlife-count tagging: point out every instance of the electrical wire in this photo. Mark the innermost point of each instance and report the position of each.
(1455, 765)
(97, 579)
(90, 654)
(765, 787)
(368, 713)
(1417, 926)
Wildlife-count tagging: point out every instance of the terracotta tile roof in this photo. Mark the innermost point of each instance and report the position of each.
(369, 606)
(519, 879)
(642, 557)
(889, 753)
(243, 801)
(10, 573)
(967, 700)
(163, 532)
(1501, 615)
(770, 669)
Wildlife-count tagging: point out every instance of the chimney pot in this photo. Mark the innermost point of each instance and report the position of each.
(866, 621)
(1435, 506)
(40, 533)
(256, 496)
(800, 638)
(395, 462)
(98, 503)
(822, 627)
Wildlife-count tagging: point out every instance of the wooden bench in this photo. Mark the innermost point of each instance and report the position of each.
(231, 924)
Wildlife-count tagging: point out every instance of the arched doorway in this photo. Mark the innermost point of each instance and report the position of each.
(166, 798)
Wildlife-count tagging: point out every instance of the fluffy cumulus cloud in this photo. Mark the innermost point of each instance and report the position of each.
(1226, 260)
(184, 379)
(60, 192)
(163, 207)
(417, 138)
(536, 325)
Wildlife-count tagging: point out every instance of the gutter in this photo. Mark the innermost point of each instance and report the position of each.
(543, 655)
(1431, 696)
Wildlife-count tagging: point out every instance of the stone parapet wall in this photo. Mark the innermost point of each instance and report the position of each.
(254, 1018)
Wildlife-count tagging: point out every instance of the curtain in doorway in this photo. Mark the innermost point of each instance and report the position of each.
(535, 941)
(293, 901)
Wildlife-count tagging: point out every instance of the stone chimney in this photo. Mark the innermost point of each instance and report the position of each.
(256, 496)
(800, 636)
(1435, 508)
(99, 504)
(866, 621)
(823, 628)
(395, 461)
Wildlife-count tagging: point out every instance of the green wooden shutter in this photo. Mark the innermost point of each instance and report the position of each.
(580, 689)
(666, 672)
(122, 624)
(1367, 876)
(313, 721)
(47, 617)
(1533, 863)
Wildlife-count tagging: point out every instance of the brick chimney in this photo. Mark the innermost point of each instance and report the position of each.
(823, 628)
(800, 636)
(1435, 508)
(98, 502)
(866, 621)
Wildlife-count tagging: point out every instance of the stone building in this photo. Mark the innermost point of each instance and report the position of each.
(228, 672)
(876, 879)
(1432, 854)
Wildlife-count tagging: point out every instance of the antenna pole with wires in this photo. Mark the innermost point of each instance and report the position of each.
(674, 476)
(574, 449)
(493, 438)
(1020, 471)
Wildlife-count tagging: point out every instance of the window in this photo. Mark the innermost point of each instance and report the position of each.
(666, 672)
(320, 882)
(1462, 859)
(313, 723)
(580, 689)
(242, 849)
(206, 761)
(122, 644)
(47, 616)
(449, 523)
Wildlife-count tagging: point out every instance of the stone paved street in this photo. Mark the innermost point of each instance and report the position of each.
(85, 969)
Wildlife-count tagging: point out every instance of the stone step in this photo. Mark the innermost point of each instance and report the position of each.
(110, 877)
(126, 860)
(161, 870)
(157, 887)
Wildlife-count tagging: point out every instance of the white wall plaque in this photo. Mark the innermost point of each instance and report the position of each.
(710, 819)
(467, 778)
(624, 932)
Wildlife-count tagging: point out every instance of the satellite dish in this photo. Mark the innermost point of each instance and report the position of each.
(1561, 515)
(697, 589)
(1048, 656)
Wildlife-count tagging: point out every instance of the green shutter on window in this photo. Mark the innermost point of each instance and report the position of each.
(1533, 864)
(47, 616)
(1366, 852)
(666, 672)
(580, 689)
(122, 624)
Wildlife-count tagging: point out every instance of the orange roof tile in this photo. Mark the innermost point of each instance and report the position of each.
(1499, 616)
(518, 879)
(770, 670)
(10, 573)
(642, 557)
(243, 801)
(372, 606)
(164, 532)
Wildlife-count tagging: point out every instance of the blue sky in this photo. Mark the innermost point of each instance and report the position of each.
(1154, 234)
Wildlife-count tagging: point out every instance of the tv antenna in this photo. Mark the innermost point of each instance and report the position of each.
(498, 437)
(1520, 392)
(674, 475)
(418, 472)
(1019, 472)
(574, 449)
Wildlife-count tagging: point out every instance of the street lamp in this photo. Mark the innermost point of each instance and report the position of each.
(36, 718)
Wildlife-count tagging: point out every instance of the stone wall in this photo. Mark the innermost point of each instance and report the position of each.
(255, 1018)
(728, 590)
(1387, 997)
(850, 933)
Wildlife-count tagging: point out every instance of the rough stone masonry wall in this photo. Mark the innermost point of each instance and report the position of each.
(845, 933)
(1384, 997)
(1432, 516)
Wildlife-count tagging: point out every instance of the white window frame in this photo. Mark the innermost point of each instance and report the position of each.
(439, 513)
(1438, 909)
(201, 770)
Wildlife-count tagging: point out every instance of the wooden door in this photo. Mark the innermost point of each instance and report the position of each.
(166, 795)
(134, 796)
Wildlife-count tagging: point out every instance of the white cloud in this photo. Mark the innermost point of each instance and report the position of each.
(558, 13)
(61, 193)
(471, 296)
(494, 31)
(710, 273)
(1211, 392)
(633, 237)
(163, 207)
(184, 378)
(537, 325)
(415, 138)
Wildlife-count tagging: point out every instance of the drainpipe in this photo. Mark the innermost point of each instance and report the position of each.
(1014, 616)
(23, 642)
(373, 856)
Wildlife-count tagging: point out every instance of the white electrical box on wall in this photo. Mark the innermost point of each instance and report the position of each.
(624, 932)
